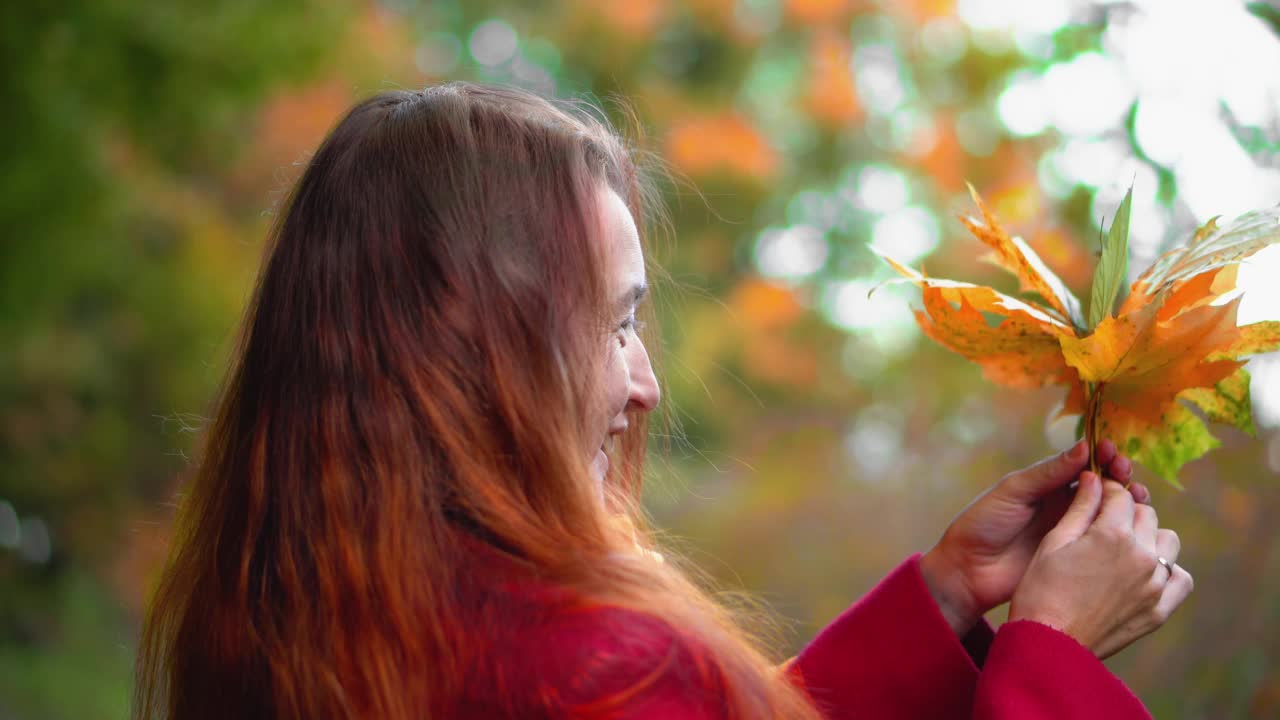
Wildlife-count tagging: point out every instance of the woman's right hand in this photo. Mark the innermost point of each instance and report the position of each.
(1096, 577)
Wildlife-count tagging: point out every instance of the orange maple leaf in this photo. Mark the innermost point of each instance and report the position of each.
(1173, 342)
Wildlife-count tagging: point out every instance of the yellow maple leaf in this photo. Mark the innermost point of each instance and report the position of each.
(1173, 340)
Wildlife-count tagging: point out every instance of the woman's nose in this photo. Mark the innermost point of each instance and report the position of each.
(643, 393)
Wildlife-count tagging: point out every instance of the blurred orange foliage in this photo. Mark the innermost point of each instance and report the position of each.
(924, 10)
(1065, 255)
(289, 125)
(764, 304)
(819, 12)
(633, 18)
(1018, 202)
(765, 312)
(944, 160)
(832, 97)
(721, 143)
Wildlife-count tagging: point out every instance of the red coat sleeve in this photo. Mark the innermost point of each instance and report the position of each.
(893, 655)
(1035, 671)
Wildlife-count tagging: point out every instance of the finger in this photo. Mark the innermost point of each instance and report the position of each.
(1077, 519)
(1145, 525)
(1105, 453)
(1175, 592)
(1052, 507)
(1055, 505)
(1141, 493)
(1117, 507)
(1168, 545)
(1120, 469)
(1030, 484)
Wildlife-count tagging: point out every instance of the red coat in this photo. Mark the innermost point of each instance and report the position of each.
(890, 655)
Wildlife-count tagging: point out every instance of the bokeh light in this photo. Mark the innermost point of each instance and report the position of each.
(493, 42)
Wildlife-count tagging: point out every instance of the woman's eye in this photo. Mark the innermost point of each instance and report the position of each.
(631, 323)
(628, 324)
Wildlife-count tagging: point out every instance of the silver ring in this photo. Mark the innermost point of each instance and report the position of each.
(1167, 565)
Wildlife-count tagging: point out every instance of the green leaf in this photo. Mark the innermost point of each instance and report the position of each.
(1110, 274)
(1227, 402)
(1266, 13)
(1255, 339)
(1183, 438)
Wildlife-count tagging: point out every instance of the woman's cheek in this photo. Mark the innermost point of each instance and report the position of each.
(616, 381)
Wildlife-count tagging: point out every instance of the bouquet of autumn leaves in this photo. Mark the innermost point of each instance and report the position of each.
(1133, 363)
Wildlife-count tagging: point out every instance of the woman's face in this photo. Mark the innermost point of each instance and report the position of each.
(629, 383)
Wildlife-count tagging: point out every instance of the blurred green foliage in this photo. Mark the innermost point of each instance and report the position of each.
(114, 111)
(814, 441)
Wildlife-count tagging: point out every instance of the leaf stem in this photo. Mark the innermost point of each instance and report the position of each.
(1092, 410)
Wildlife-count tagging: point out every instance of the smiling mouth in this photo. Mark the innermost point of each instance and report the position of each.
(610, 444)
(601, 459)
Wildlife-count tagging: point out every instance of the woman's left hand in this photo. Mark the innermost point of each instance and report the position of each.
(984, 553)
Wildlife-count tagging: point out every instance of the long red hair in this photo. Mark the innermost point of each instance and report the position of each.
(414, 370)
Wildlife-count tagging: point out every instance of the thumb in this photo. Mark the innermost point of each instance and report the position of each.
(1078, 518)
(1033, 483)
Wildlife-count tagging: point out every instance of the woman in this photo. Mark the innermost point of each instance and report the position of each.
(418, 493)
